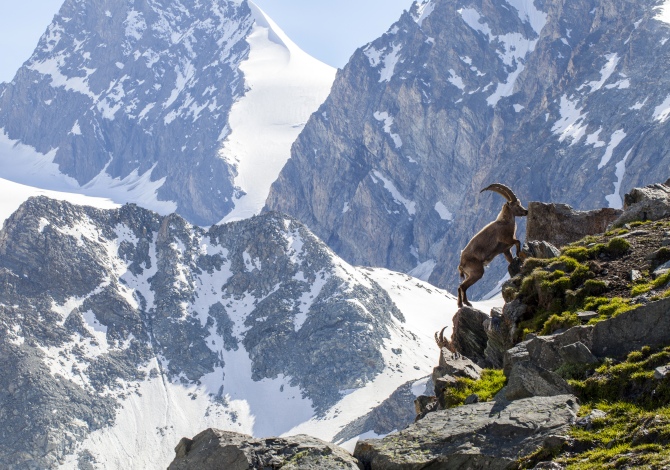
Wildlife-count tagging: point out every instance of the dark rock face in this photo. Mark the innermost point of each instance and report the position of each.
(501, 330)
(469, 335)
(560, 224)
(95, 303)
(468, 437)
(214, 449)
(388, 171)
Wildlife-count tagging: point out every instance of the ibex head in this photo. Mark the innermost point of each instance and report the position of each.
(513, 202)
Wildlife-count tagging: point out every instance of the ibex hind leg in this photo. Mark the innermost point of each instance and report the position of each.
(473, 276)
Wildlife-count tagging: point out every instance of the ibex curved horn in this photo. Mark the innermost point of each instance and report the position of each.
(502, 190)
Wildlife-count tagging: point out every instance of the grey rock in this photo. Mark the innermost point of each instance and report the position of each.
(515, 355)
(501, 330)
(548, 466)
(587, 421)
(540, 248)
(647, 325)
(471, 399)
(662, 372)
(529, 380)
(485, 435)
(578, 353)
(634, 233)
(586, 316)
(661, 270)
(647, 203)
(456, 365)
(547, 351)
(560, 224)
(469, 335)
(634, 275)
(555, 443)
(214, 449)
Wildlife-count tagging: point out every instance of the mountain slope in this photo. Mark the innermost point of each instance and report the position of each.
(123, 331)
(562, 101)
(162, 105)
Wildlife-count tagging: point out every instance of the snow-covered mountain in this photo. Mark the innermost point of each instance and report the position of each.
(122, 331)
(564, 101)
(177, 106)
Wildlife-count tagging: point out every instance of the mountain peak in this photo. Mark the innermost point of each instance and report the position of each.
(137, 101)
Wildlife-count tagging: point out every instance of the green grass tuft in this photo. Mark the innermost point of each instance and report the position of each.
(490, 383)
(557, 322)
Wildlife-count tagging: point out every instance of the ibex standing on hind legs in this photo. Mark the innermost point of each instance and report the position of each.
(497, 237)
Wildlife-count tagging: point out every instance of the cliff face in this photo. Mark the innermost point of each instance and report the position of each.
(561, 101)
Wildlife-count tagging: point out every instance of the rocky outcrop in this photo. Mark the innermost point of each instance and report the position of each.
(548, 351)
(214, 449)
(489, 435)
(647, 325)
(527, 379)
(451, 367)
(560, 224)
(469, 335)
(647, 203)
(501, 330)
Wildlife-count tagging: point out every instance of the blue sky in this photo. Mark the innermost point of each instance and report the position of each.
(330, 30)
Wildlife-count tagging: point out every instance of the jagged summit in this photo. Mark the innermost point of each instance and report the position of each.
(155, 103)
(561, 101)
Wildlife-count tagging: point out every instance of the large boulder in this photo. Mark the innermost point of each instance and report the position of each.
(456, 365)
(560, 224)
(530, 380)
(489, 435)
(469, 335)
(548, 351)
(214, 449)
(648, 203)
(647, 325)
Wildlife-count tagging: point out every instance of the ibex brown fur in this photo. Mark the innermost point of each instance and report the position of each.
(497, 237)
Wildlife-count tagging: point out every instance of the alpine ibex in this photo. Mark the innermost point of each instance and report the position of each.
(497, 237)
